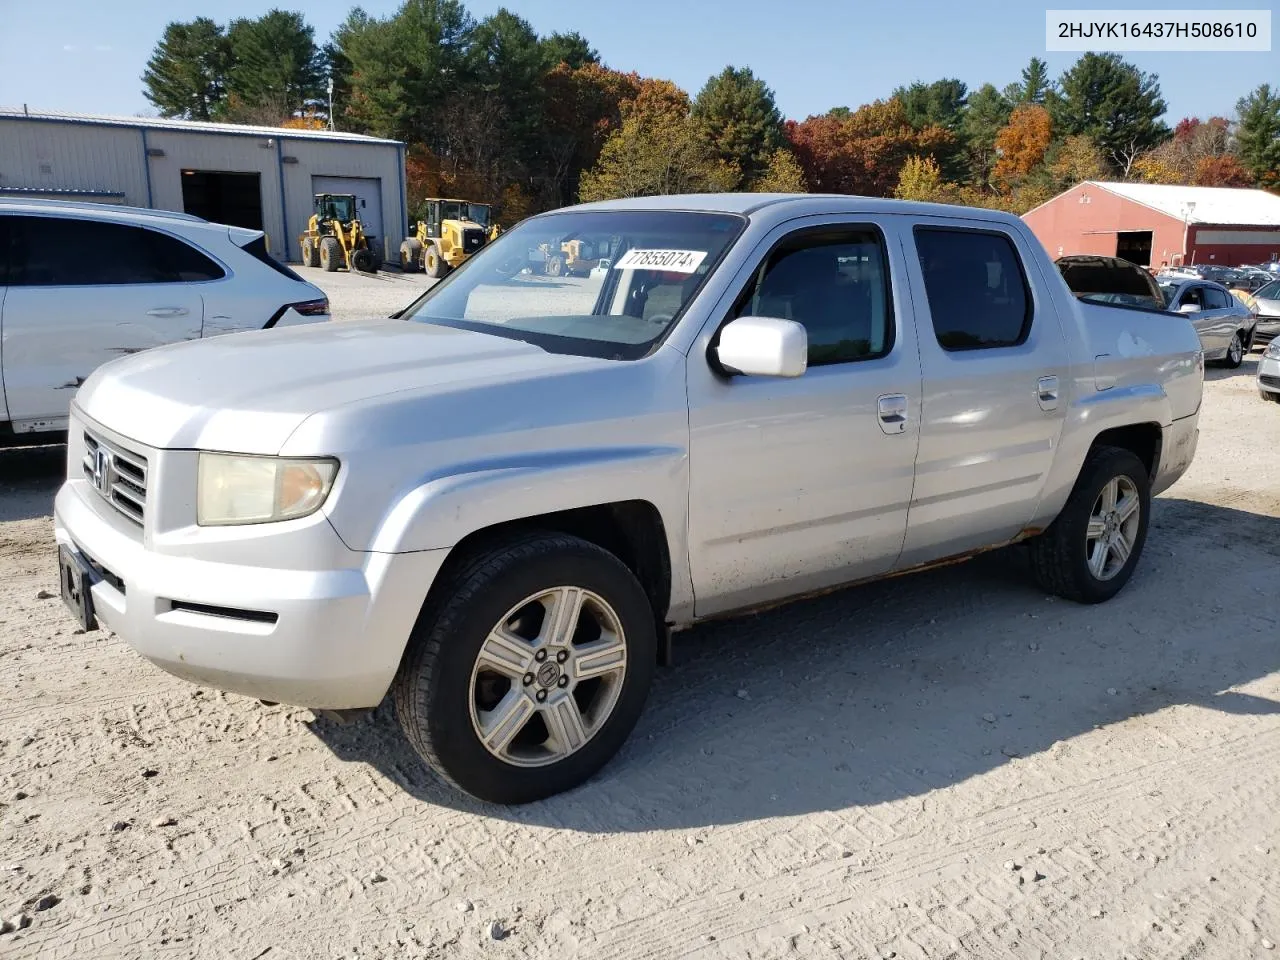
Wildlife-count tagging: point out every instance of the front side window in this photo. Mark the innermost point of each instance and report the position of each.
(607, 283)
(977, 292)
(836, 285)
(64, 251)
(1193, 295)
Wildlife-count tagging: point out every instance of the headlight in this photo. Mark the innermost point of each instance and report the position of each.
(236, 489)
(1273, 350)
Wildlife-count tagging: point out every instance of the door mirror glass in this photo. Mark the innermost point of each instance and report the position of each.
(763, 347)
(1189, 308)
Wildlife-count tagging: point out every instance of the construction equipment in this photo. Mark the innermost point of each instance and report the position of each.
(335, 236)
(575, 258)
(453, 231)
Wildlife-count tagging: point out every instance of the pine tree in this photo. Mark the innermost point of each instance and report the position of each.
(1258, 134)
(186, 75)
(736, 114)
(276, 67)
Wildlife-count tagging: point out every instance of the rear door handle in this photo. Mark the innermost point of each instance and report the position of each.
(168, 312)
(892, 411)
(1047, 393)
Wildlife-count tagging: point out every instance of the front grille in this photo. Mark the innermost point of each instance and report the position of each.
(1267, 380)
(472, 239)
(119, 475)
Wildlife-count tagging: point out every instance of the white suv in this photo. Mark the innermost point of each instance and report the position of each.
(84, 283)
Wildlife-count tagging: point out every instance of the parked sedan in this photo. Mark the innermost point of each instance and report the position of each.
(1225, 325)
(1266, 304)
(1269, 372)
(85, 283)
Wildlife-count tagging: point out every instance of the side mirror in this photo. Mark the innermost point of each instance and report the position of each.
(1189, 308)
(763, 347)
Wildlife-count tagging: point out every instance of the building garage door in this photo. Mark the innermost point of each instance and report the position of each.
(368, 189)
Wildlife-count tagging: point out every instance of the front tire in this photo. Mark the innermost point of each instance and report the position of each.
(1090, 551)
(330, 254)
(365, 260)
(528, 669)
(435, 265)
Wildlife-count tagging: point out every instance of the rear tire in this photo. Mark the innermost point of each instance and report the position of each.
(448, 696)
(1235, 352)
(555, 266)
(411, 256)
(1062, 557)
(330, 254)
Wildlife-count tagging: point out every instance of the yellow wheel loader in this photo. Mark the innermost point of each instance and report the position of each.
(335, 236)
(453, 231)
(575, 258)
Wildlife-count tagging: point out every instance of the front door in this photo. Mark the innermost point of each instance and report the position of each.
(996, 377)
(84, 292)
(801, 484)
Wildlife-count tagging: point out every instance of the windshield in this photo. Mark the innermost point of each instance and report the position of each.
(1270, 291)
(1170, 290)
(606, 283)
(339, 208)
(479, 213)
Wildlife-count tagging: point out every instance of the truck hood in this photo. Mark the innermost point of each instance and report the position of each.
(247, 392)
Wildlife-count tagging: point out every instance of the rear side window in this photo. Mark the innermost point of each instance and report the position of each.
(63, 251)
(5, 250)
(257, 248)
(1216, 299)
(977, 292)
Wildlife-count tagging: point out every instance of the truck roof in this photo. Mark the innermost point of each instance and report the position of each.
(750, 203)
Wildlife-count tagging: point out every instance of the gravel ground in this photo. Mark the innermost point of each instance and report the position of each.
(944, 765)
(357, 296)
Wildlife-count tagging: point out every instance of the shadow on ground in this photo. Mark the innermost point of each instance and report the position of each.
(29, 480)
(912, 684)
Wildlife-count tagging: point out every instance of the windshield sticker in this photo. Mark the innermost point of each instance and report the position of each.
(675, 261)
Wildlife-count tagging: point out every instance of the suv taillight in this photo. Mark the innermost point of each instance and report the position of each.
(311, 308)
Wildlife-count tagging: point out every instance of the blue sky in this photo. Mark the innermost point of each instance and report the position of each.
(88, 55)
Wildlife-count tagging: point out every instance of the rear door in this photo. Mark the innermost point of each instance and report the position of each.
(995, 367)
(84, 292)
(5, 256)
(1207, 321)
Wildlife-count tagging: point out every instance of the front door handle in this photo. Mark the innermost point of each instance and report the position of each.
(1047, 393)
(892, 411)
(168, 312)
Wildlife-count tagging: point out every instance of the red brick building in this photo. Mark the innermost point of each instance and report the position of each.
(1156, 225)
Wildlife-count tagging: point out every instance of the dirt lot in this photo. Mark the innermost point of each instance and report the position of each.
(945, 765)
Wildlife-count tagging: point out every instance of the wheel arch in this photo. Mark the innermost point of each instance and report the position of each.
(1144, 440)
(632, 530)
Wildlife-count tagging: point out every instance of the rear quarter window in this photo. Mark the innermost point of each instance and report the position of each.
(257, 248)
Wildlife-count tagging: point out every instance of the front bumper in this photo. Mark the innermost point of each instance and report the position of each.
(1269, 375)
(316, 638)
(1268, 329)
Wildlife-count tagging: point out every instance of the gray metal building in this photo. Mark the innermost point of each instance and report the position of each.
(258, 177)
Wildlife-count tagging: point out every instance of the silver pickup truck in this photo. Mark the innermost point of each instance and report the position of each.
(498, 505)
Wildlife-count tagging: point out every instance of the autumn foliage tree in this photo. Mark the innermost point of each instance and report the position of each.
(1023, 143)
(782, 175)
(921, 179)
(1221, 171)
(863, 151)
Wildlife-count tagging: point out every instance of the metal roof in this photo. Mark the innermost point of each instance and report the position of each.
(187, 126)
(1216, 205)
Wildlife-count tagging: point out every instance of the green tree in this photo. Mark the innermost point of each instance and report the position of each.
(405, 68)
(939, 105)
(783, 175)
(1035, 84)
(1113, 103)
(1075, 159)
(987, 115)
(1258, 134)
(571, 48)
(659, 149)
(736, 113)
(186, 75)
(275, 66)
(506, 64)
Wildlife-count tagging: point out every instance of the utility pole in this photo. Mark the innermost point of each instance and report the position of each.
(331, 101)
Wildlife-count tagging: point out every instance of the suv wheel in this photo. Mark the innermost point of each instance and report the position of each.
(529, 669)
(1090, 551)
